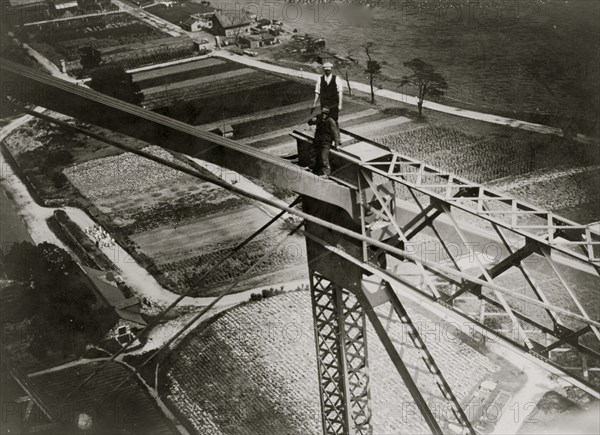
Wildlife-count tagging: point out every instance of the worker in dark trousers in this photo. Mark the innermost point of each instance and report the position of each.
(326, 133)
(329, 89)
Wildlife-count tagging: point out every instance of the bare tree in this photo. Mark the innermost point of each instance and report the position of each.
(344, 64)
(374, 68)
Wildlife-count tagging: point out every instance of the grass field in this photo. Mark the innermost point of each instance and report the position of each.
(253, 371)
(533, 60)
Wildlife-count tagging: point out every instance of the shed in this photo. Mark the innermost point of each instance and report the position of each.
(250, 41)
(226, 131)
(126, 308)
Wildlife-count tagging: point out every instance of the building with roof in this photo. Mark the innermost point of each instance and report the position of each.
(126, 308)
(230, 25)
(196, 23)
(124, 53)
(61, 6)
(250, 41)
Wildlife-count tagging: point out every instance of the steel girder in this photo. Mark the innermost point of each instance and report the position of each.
(340, 337)
(441, 200)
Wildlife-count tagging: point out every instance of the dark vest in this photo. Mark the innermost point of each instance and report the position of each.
(329, 93)
(324, 132)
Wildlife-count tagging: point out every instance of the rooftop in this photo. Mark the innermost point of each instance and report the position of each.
(232, 20)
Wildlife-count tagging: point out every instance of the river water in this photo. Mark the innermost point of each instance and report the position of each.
(531, 56)
(12, 227)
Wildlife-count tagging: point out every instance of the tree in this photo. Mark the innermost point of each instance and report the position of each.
(89, 58)
(426, 79)
(345, 63)
(373, 68)
(115, 81)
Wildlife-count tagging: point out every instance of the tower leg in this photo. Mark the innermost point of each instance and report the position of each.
(340, 337)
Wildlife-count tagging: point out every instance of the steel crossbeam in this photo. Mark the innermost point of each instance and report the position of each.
(438, 196)
(559, 233)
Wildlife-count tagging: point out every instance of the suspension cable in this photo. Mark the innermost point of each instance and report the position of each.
(201, 313)
(173, 304)
(445, 270)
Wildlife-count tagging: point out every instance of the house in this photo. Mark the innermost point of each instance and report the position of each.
(263, 23)
(230, 25)
(226, 131)
(267, 39)
(123, 53)
(250, 41)
(197, 22)
(126, 308)
(61, 6)
(192, 24)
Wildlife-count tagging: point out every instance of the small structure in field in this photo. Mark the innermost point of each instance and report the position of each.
(197, 22)
(267, 39)
(250, 41)
(128, 309)
(230, 25)
(122, 53)
(226, 131)
(62, 6)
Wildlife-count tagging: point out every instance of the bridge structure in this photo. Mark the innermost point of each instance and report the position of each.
(365, 229)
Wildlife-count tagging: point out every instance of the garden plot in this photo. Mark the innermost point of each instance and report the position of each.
(179, 11)
(183, 71)
(63, 40)
(183, 225)
(121, 175)
(482, 158)
(184, 252)
(253, 370)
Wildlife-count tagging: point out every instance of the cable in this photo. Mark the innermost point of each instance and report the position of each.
(200, 314)
(161, 315)
(445, 270)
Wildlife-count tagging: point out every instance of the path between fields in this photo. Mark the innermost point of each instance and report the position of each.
(138, 278)
(377, 127)
(288, 130)
(403, 98)
(523, 404)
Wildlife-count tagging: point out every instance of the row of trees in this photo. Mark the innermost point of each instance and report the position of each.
(50, 290)
(424, 77)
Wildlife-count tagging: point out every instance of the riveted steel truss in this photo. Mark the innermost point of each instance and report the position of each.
(340, 337)
(552, 260)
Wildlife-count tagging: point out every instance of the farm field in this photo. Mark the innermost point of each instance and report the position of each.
(65, 39)
(176, 73)
(210, 90)
(253, 370)
(183, 226)
(132, 410)
(180, 11)
(186, 252)
(483, 159)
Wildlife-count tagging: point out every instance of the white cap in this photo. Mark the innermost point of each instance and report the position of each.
(327, 65)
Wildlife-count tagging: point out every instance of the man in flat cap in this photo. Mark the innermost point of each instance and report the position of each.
(326, 133)
(329, 89)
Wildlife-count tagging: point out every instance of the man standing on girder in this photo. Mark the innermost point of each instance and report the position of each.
(329, 89)
(326, 133)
